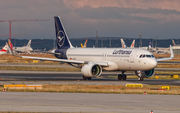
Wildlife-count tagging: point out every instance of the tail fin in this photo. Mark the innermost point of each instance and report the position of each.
(132, 45)
(29, 43)
(61, 36)
(4, 49)
(173, 42)
(123, 43)
(85, 43)
(10, 44)
(150, 45)
(82, 45)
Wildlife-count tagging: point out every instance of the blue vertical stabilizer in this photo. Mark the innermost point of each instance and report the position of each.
(61, 36)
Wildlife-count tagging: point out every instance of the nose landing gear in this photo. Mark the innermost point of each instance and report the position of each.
(140, 78)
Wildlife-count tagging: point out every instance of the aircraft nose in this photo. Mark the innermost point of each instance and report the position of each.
(153, 63)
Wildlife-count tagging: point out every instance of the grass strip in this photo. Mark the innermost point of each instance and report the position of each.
(39, 68)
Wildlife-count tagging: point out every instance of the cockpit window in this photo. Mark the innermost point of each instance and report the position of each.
(149, 56)
(152, 56)
(143, 56)
(140, 56)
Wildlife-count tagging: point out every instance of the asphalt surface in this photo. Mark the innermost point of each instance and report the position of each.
(36, 77)
(88, 102)
(68, 66)
(82, 102)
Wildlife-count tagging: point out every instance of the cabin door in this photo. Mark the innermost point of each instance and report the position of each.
(132, 55)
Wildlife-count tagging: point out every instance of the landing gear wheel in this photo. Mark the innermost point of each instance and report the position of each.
(140, 78)
(86, 78)
(124, 77)
(120, 77)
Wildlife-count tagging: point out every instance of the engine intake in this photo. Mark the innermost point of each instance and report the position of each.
(91, 70)
(147, 73)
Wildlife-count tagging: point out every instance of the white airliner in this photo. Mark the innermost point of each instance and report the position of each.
(24, 49)
(4, 50)
(123, 44)
(93, 61)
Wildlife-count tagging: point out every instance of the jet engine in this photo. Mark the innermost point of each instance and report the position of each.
(91, 70)
(147, 73)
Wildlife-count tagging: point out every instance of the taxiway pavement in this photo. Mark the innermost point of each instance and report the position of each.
(88, 102)
(39, 77)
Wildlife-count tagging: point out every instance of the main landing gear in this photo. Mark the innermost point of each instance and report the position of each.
(86, 78)
(140, 78)
(122, 76)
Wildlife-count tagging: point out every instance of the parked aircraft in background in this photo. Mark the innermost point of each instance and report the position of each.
(24, 49)
(123, 44)
(133, 43)
(93, 61)
(85, 44)
(4, 50)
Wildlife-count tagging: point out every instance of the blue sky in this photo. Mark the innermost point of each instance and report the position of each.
(81, 18)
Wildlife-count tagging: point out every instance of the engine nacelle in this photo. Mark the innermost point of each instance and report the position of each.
(91, 70)
(147, 73)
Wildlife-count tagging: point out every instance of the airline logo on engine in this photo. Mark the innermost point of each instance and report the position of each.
(121, 52)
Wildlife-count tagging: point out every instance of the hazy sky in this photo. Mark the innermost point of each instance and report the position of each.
(81, 18)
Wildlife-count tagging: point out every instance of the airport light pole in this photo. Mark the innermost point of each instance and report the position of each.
(140, 41)
(156, 41)
(19, 21)
(101, 42)
(96, 38)
(110, 42)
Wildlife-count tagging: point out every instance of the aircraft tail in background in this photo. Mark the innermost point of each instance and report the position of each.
(123, 43)
(173, 42)
(85, 44)
(10, 44)
(29, 43)
(82, 45)
(150, 45)
(133, 43)
(4, 50)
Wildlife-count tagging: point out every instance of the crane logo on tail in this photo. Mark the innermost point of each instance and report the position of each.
(60, 38)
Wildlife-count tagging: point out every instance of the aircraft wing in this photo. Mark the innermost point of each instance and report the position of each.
(64, 60)
(58, 60)
(171, 57)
